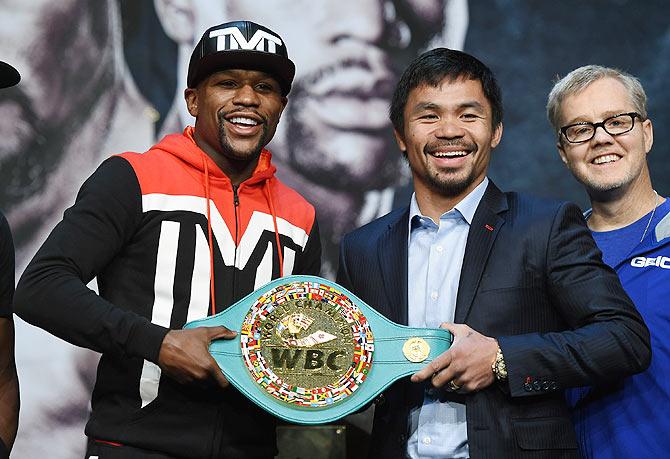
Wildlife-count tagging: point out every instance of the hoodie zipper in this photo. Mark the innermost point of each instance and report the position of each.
(236, 203)
(236, 206)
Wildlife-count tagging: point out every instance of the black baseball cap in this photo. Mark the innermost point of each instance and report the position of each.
(241, 45)
(9, 76)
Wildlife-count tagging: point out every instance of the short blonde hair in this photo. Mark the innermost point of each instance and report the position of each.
(577, 80)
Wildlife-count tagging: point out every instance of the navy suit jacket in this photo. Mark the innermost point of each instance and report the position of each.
(533, 278)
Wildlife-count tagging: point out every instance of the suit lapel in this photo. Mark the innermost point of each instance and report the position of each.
(393, 263)
(486, 224)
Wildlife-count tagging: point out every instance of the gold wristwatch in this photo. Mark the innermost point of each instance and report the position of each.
(498, 366)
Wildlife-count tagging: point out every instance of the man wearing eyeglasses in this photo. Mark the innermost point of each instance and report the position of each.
(604, 136)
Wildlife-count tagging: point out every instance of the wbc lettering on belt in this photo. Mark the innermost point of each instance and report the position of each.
(307, 341)
(307, 344)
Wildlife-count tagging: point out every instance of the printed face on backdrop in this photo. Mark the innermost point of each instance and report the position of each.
(336, 129)
(64, 70)
(606, 163)
(52, 126)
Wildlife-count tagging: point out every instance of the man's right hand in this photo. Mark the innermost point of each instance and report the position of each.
(184, 354)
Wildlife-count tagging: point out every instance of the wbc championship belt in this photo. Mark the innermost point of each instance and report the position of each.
(310, 352)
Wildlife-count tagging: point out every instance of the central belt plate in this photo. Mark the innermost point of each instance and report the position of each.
(307, 344)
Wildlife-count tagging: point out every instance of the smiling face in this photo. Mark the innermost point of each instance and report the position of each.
(236, 113)
(448, 137)
(606, 163)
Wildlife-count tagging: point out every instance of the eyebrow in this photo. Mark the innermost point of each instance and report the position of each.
(421, 106)
(607, 114)
(472, 104)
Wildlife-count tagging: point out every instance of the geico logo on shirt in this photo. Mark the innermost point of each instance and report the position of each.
(643, 262)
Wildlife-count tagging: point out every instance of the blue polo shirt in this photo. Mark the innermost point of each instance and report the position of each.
(630, 418)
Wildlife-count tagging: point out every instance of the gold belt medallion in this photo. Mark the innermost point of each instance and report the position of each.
(416, 350)
(307, 344)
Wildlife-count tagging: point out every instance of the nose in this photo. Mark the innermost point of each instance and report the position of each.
(246, 96)
(367, 25)
(601, 136)
(448, 128)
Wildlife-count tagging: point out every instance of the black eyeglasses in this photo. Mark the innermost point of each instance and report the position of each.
(614, 125)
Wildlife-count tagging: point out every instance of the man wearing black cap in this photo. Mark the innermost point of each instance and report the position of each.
(9, 382)
(172, 235)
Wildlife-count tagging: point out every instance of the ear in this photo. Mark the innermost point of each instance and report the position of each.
(284, 101)
(177, 19)
(400, 141)
(561, 152)
(191, 97)
(497, 135)
(648, 134)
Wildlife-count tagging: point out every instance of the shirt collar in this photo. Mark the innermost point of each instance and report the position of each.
(466, 207)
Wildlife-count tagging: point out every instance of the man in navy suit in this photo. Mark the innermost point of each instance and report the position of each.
(518, 281)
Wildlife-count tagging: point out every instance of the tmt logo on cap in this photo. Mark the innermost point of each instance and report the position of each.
(241, 45)
(261, 41)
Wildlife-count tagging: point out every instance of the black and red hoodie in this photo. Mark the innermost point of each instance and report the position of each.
(152, 228)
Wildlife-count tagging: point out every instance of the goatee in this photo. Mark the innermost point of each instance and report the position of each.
(228, 150)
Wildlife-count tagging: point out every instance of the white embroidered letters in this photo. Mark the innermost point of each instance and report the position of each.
(261, 41)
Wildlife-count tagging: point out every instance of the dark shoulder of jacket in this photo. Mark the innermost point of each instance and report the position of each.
(380, 224)
(366, 235)
(115, 172)
(538, 207)
(115, 179)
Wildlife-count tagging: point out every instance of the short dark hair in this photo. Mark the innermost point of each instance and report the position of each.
(434, 66)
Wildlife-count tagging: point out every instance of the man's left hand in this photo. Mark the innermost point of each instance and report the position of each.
(466, 364)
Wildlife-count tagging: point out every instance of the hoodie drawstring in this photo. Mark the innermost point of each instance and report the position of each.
(209, 237)
(268, 196)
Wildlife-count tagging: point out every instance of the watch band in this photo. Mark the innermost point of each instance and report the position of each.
(499, 367)
(310, 352)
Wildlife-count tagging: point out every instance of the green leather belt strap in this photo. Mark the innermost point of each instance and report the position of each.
(310, 352)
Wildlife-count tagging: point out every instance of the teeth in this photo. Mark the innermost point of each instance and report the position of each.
(605, 159)
(449, 154)
(242, 120)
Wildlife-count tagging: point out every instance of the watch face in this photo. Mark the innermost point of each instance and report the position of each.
(307, 344)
